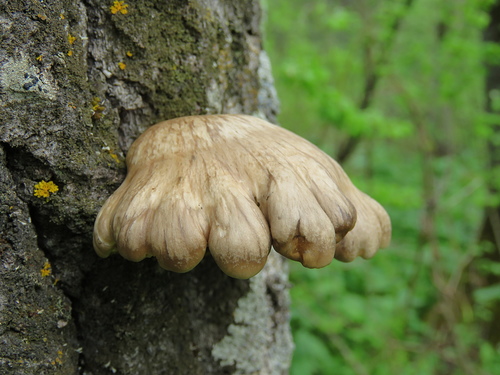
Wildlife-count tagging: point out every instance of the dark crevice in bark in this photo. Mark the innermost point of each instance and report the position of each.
(112, 304)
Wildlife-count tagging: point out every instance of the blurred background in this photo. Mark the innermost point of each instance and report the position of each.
(404, 94)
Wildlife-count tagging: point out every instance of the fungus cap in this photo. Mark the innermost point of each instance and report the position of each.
(235, 185)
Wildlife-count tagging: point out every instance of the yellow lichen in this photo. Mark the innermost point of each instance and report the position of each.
(96, 104)
(61, 16)
(122, 66)
(129, 54)
(114, 157)
(43, 189)
(39, 58)
(70, 53)
(46, 270)
(111, 153)
(58, 360)
(97, 108)
(71, 39)
(119, 6)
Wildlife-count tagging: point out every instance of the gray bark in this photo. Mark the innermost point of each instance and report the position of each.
(103, 316)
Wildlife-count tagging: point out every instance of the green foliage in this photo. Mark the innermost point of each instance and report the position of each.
(406, 80)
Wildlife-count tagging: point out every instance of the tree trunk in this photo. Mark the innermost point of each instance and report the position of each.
(78, 84)
(491, 227)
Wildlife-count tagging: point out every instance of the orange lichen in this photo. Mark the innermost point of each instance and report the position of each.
(46, 270)
(43, 189)
(119, 6)
(122, 65)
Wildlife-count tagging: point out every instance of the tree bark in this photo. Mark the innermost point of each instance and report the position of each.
(78, 85)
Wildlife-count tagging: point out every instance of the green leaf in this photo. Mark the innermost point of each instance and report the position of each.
(487, 294)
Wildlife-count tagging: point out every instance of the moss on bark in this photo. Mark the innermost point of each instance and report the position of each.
(77, 85)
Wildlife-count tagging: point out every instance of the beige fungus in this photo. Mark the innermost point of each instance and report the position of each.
(235, 185)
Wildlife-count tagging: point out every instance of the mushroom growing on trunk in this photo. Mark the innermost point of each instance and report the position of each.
(235, 185)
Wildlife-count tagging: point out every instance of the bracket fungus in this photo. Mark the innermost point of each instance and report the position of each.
(234, 185)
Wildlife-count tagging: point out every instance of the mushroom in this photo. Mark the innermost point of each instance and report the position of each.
(235, 185)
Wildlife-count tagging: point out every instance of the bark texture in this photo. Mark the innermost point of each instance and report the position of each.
(77, 85)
